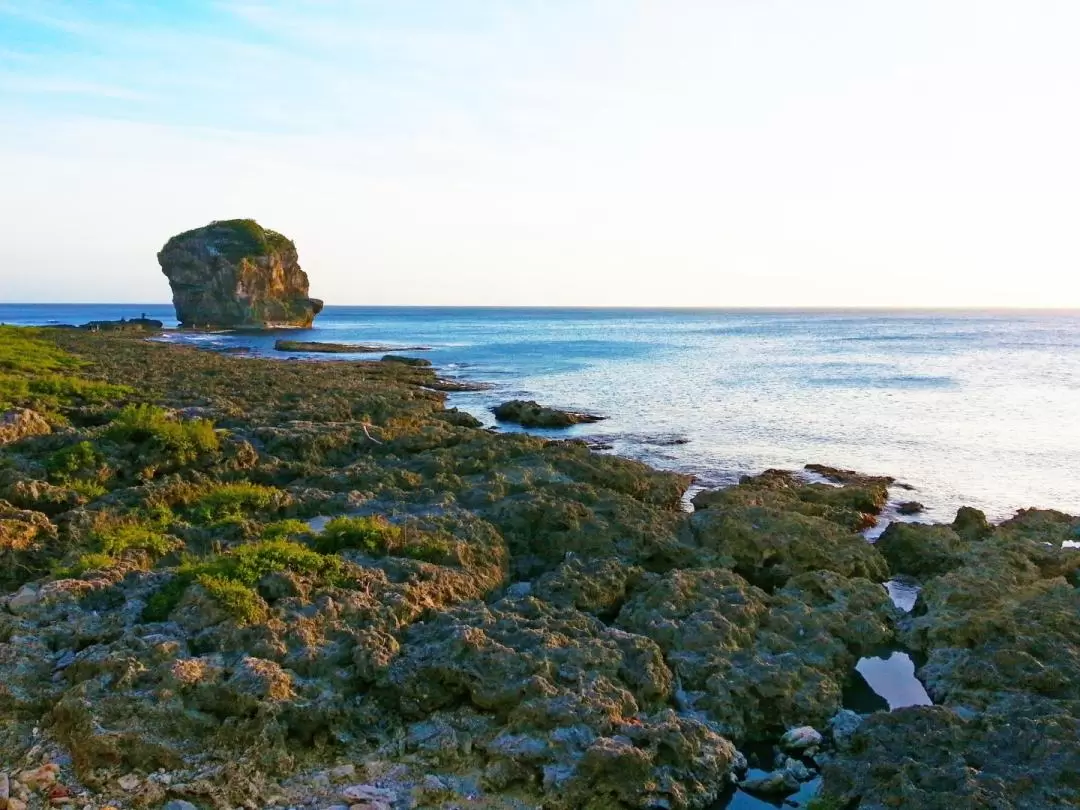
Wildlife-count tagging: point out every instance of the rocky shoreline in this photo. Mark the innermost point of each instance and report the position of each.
(245, 582)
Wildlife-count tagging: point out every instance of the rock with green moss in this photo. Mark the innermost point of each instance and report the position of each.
(757, 663)
(769, 546)
(532, 414)
(853, 501)
(237, 274)
(934, 758)
(920, 550)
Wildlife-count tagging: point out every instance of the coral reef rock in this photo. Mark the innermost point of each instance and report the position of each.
(235, 273)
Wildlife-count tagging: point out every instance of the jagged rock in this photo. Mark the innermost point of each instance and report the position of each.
(920, 550)
(801, 738)
(25, 537)
(757, 663)
(931, 757)
(22, 599)
(773, 783)
(532, 414)
(234, 273)
(842, 726)
(143, 324)
(910, 508)
(854, 504)
(20, 423)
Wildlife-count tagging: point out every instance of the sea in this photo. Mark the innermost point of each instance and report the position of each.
(977, 408)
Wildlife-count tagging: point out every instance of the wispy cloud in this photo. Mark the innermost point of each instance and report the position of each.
(584, 142)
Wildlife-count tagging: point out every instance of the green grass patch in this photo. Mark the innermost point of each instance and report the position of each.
(244, 567)
(115, 536)
(234, 502)
(80, 462)
(372, 535)
(35, 373)
(286, 530)
(240, 601)
(84, 563)
(179, 442)
(22, 349)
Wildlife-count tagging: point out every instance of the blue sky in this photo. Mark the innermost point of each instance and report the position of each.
(597, 152)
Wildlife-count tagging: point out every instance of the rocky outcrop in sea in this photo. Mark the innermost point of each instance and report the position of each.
(237, 274)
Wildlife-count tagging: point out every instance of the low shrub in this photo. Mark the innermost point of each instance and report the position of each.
(77, 461)
(179, 442)
(244, 567)
(372, 535)
(240, 601)
(234, 502)
(286, 529)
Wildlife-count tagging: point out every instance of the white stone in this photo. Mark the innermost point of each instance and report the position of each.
(129, 782)
(801, 738)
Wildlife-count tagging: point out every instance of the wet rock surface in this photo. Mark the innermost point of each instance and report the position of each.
(997, 626)
(532, 414)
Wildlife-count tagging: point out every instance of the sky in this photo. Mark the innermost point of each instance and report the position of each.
(776, 153)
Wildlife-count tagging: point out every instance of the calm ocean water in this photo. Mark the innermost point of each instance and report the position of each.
(968, 408)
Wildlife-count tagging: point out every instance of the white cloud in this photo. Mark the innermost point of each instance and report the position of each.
(773, 153)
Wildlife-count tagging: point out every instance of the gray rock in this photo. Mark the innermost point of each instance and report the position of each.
(179, 804)
(23, 599)
(519, 590)
(773, 783)
(842, 726)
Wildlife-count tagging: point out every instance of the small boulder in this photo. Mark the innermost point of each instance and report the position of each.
(801, 738)
(528, 413)
(20, 423)
(23, 599)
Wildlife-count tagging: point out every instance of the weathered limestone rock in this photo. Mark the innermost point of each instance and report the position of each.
(234, 273)
(20, 423)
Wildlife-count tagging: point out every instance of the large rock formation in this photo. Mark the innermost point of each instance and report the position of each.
(235, 273)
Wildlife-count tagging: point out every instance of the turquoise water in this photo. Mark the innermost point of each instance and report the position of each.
(968, 408)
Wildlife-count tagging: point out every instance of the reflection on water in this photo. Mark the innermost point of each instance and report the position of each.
(903, 593)
(892, 678)
(741, 800)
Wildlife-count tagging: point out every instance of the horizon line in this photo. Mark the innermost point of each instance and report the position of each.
(623, 307)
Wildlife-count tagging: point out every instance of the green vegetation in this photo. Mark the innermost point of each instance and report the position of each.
(74, 462)
(34, 374)
(240, 601)
(177, 442)
(286, 530)
(234, 502)
(23, 350)
(112, 539)
(372, 535)
(246, 238)
(242, 568)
